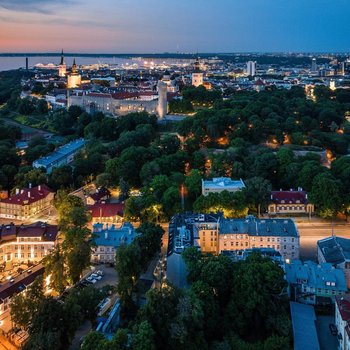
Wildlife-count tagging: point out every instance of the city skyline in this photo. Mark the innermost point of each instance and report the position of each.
(153, 26)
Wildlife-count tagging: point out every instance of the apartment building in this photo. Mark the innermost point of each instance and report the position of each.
(27, 203)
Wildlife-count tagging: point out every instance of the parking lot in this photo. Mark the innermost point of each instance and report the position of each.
(110, 276)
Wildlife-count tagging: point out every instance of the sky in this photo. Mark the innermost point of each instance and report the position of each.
(154, 26)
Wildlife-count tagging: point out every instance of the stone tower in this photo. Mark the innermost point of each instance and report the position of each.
(162, 108)
(74, 79)
(197, 75)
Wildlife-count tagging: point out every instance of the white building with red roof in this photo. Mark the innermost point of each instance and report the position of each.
(342, 321)
(27, 203)
(290, 203)
(107, 213)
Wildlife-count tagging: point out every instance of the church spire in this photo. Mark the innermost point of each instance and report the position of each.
(62, 59)
(74, 67)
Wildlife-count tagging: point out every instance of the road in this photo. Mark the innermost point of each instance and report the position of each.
(311, 232)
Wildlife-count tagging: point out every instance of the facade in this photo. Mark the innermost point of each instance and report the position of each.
(290, 203)
(314, 284)
(219, 184)
(336, 251)
(251, 68)
(107, 213)
(238, 234)
(27, 203)
(342, 321)
(62, 156)
(26, 243)
(108, 239)
(119, 104)
(74, 78)
(18, 285)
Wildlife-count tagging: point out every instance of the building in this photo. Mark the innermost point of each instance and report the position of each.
(304, 327)
(62, 68)
(342, 321)
(310, 283)
(62, 156)
(107, 213)
(18, 285)
(122, 103)
(336, 251)
(197, 75)
(313, 65)
(251, 68)
(219, 184)
(74, 78)
(290, 203)
(216, 234)
(26, 243)
(101, 195)
(27, 203)
(108, 239)
(171, 86)
(238, 255)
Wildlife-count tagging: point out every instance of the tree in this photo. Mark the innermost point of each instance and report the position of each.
(257, 192)
(325, 194)
(193, 183)
(144, 337)
(55, 268)
(23, 307)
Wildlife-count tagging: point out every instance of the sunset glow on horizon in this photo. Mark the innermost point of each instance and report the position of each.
(119, 26)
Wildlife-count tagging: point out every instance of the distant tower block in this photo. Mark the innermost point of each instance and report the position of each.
(74, 79)
(251, 68)
(313, 65)
(27, 63)
(197, 75)
(62, 68)
(162, 108)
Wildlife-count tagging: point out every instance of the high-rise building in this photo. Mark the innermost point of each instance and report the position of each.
(251, 68)
(62, 68)
(313, 65)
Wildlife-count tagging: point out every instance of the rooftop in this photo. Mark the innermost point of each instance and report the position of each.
(112, 236)
(323, 276)
(335, 250)
(223, 183)
(304, 327)
(259, 227)
(29, 195)
(60, 153)
(106, 210)
(289, 197)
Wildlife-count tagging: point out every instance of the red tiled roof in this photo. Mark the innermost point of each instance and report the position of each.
(29, 195)
(289, 197)
(106, 210)
(259, 82)
(343, 303)
(125, 95)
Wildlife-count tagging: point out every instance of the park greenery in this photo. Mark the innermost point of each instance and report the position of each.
(238, 306)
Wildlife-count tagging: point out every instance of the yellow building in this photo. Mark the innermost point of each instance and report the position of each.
(27, 203)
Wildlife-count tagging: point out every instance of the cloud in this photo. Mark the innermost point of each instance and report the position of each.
(37, 6)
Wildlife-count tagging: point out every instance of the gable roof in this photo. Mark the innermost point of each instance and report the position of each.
(29, 195)
(106, 210)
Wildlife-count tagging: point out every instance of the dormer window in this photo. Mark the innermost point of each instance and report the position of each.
(282, 201)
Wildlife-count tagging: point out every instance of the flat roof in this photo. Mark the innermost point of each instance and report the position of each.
(304, 327)
(223, 183)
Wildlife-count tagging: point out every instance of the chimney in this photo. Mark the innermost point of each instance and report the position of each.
(39, 187)
(30, 185)
(17, 190)
(28, 194)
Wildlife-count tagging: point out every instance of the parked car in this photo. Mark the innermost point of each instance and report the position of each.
(333, 329)
(99, 272)
(95, 276)
(91, 280)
